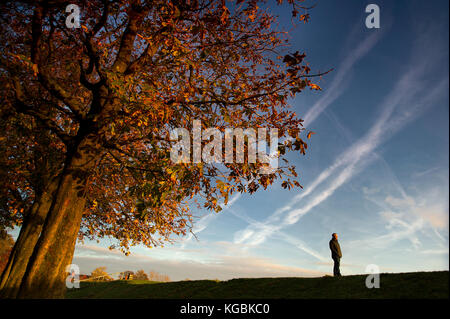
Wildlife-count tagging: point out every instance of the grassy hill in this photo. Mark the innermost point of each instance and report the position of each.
(427, 285)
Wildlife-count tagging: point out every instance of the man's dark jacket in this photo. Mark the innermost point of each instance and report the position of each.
(335, 249)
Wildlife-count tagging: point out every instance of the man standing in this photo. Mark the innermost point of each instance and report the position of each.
(335, 254)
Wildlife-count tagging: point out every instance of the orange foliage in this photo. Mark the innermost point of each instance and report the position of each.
(128, 77)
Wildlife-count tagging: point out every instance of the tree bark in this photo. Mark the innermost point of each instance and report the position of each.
(23, 248)
(46, 271)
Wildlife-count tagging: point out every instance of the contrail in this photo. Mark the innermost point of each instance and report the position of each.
(336, 88)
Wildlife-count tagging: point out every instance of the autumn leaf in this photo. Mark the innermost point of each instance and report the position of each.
(35, 69)
(314, 86)
(309, 134)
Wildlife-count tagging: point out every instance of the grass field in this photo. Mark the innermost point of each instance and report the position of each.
(429, 285)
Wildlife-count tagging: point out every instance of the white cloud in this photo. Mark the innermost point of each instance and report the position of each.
(408, 217)
(431, 209)
(400, 202)
(399, 230)
(222, 267)
(435, 251)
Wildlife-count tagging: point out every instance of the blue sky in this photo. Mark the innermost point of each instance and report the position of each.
(376, 171)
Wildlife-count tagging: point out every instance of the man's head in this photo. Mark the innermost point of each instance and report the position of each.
(334, 235)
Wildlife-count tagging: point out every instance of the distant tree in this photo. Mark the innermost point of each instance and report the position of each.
(127, 275)
(155, 276)
(140, 275)
(100, 274)
(6, 245)
(84, 277)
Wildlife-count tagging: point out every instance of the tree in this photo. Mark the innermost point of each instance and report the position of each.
(6, 245)
(86, 116)
(156, 276)
(140, 275)
(126, 275)
(100, 274)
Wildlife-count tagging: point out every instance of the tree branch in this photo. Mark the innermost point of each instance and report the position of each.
(54, 88)
(22, 107)
(136, 15)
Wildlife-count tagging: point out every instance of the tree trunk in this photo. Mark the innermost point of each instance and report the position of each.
(46, 271)
(23, 248)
